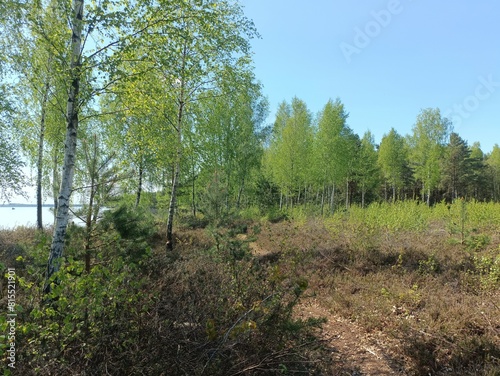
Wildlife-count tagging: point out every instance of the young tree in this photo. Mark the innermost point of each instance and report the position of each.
(368, 171)
(393, 159)
(353, 151)
(456, 167)
(199, 42)
(273, 170)
(226, 138)
(493, 163)
(427, 149)
(95, 66)
(35, 58)
(12, 178)
(477, 180)
(290, 149)
(332, 151)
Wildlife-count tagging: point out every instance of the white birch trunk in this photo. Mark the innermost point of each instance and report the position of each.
(177, 168)
(62, 217)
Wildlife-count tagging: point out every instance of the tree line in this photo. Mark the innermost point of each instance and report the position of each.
(323, 162)
(120, 98)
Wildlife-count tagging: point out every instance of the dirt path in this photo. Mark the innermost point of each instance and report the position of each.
(351, 347)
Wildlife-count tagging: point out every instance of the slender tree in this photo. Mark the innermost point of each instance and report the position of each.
(332, 150)
(62, 216)
(456, 167)
(199, 42)
(477, 180)
(290, 151)
(493, 162)
(226, 138)
(368, 171)
(392, 160)
(427, 149)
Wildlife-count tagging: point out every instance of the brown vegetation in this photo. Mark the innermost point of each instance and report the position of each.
(260, 298)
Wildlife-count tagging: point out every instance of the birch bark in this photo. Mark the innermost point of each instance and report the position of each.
(62, 217)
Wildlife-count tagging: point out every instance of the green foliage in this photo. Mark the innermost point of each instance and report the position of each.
(430, 266)
(12, 178)
(427, 148)
(392, 217)
(493, 162)
(330, 143)
(213, 202)
(87, 311)
(367, 169)
(487, 266)
(289, 155)
(393, 160)
(133, 229)
(456, 167)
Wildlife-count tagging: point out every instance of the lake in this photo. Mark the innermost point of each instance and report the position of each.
(24, 216)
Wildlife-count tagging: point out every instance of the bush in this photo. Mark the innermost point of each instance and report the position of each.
(216, 310)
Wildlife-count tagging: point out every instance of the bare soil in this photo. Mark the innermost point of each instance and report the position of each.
(351, 347)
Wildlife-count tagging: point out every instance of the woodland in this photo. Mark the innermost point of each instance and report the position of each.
(206, 233)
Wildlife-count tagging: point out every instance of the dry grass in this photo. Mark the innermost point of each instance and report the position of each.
(423, 288)
(209, 312)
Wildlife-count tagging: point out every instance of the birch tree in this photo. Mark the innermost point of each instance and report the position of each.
(368, 172)
(493, 163)
(332, 149)
(94, 65)
(35, 57)
(62, 216)
(290, 151)
(199, 42)
(12, 179)
(227, 139)
(427, 148)
(392, 159)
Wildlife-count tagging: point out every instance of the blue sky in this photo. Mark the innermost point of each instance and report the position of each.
(386, 60)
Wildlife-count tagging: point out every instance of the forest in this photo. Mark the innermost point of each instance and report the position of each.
(207, 233)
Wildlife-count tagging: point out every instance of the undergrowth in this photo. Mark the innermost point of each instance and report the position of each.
(224, 303)
(210, 308)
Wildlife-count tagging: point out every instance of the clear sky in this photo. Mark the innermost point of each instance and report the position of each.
(385, 59)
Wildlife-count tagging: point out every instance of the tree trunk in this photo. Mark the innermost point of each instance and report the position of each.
(177, 168)
(62, 217)
(39, 164)
(193, 198)
(94, 182)
(194, 191)
(347, 195)
(240, 193)
(175, 184)
(175, 180)
(139, 184)
(323, 200)
(332, 199)
(55, 183)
